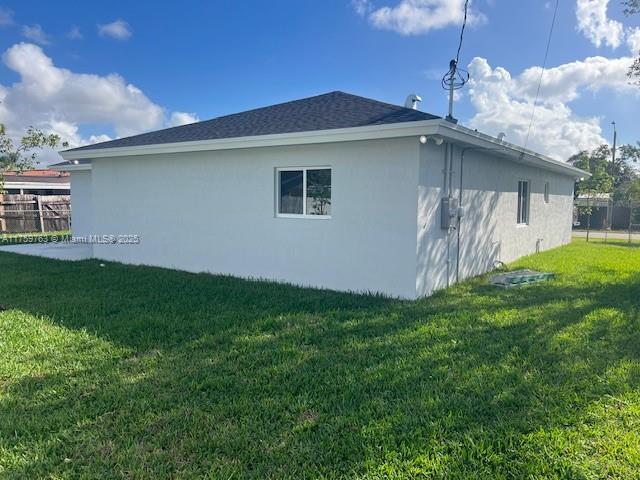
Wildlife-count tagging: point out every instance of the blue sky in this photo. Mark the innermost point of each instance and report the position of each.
(206, 59)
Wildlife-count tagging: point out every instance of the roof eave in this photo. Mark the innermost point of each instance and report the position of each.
(36, 185)
(451, 132)
(394, 130)
(481, 141)
(70, 167)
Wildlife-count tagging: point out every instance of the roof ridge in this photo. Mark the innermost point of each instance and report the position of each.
(379, 102)
(177, 127)
(289, 102)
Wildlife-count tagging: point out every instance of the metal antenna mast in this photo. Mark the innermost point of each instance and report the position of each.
(456, 77)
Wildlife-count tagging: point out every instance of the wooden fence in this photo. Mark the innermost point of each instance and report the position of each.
(34, 213)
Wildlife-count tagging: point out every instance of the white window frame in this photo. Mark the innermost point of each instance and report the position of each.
(547, 192)
(528, 203)
(304, 213)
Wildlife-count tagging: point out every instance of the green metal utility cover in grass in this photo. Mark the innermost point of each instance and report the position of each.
(519, 278)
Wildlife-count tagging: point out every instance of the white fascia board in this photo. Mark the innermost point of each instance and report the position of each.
(37, 185)
(395, 130)
(71, 167)
(472, 139)
(449, 131)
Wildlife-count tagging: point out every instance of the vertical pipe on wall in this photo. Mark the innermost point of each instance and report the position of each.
(460, 198)
(459, 217)
(450, 191)
(448, 150)
(451, 152)
(449, 253)
(445, 169)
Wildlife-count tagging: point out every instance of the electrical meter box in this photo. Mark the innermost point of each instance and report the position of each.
(448, 212)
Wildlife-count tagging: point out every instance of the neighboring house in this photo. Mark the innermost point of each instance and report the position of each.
(34, 201)
(333, 191)
(600, 205)
(37, 182)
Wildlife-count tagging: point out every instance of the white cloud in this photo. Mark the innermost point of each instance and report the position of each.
(6, 17)
(594, 23)
(414, 17)
(61, 94)
(75, 33)
(35, 33)
(99, 138)
(118, 29)
(58, 100)
(565, 82)
(182, 118)
(504, 103)
(362, 7)
(633, 40)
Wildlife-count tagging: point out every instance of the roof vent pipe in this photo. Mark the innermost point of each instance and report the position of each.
(412, 101)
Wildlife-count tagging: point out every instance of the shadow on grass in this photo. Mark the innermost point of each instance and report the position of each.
(195, 375)
(618, 242)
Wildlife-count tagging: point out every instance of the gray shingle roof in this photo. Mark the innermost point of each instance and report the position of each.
(323, 112)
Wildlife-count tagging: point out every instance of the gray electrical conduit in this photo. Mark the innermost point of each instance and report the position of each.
(460, 198)
(446, 192)
(448, 189)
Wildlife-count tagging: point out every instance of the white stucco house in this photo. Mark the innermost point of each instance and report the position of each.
(334, 191)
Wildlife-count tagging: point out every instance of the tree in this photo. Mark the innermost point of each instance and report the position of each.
(621, 172)
(598, 164)
(600, 181)
(623, 169)
(607, 177)
(632, 7)
(628, 195)
(634, 71)
(23, 156)
(630, 153)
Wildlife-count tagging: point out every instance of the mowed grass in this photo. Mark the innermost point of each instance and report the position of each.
(136, 372)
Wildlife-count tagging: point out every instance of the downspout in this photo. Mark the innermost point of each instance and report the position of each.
(459, 216)
(451, 150)
(445, 169)
(450, 195)
(460, 198)
(446, 188)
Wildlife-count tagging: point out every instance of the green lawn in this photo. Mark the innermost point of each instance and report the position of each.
(136, 372)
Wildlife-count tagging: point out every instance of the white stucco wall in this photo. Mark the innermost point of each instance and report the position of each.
(489, 230)
(215, 212)
(81, 203)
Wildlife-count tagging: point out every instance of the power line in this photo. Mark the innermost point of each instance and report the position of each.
(464, 24)
(544, 66)
(456, 77)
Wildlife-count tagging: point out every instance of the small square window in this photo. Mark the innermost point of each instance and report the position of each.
(304, 192)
